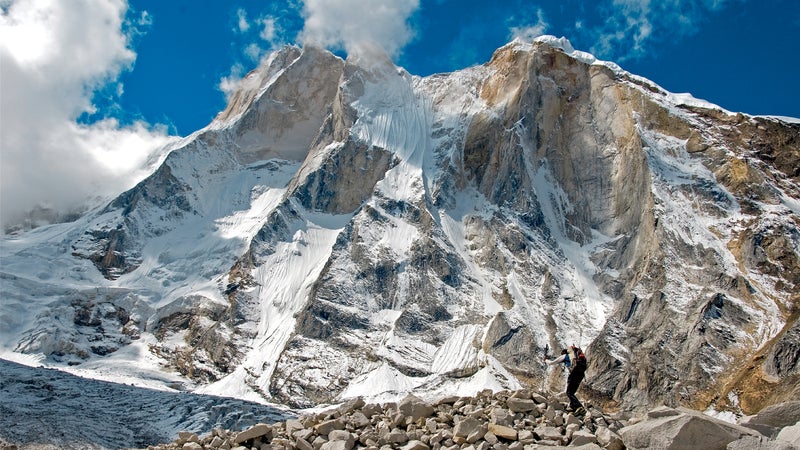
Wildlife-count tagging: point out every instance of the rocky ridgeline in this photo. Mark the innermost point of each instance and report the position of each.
(520, 420)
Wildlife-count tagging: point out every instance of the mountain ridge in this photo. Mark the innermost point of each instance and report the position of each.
(343, 223)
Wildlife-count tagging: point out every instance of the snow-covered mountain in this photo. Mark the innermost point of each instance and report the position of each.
(344, 228)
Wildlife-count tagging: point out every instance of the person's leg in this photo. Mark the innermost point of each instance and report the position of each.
(572, 387)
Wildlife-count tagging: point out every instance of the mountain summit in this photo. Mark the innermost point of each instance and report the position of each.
(347, 229)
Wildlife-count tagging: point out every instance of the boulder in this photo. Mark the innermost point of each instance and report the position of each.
(550, 414)
(415, 408)
(582, 437)
(329, 425)
(478, 434)
(342, 435)
(608, 439)
(466, 427)
(520, 404)
(447, 400)
(525, 436)
(686, 429)
(431, 425)
(256, 431)
(790, 434)
(351, 405)
(303, 444)
(571, 419)
(187, 436)
(216, 442)
(305, 433)
(415, 445)
(501, 416)
(771, 419)
(293, 425)
(371, 409)
(662, 411)
(548, 433)
(337, 445)
(539, 398)
(760, 443)
(503, 431)
(396, 437)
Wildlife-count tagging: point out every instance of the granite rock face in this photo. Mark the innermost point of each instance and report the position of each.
(344, 228)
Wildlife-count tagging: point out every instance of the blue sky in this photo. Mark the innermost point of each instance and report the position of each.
(739, 54)
(91, 90)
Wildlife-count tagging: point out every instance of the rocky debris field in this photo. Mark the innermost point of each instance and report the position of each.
(520, 420)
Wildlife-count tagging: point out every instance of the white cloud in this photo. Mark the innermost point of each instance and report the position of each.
(242, 24)
(55, 55)
(355, 24)
(230, 84)
(254, 52)
(530, 32)
(268, 30)
(631, 26)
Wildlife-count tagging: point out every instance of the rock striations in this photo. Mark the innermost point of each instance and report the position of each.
(521, 420)
(346, 229)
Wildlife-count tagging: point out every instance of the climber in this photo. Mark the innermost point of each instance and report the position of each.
(575, 361)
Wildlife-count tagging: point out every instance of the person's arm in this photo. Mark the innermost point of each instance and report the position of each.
(558, 360)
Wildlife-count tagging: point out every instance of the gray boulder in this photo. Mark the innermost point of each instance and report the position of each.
(520, 404)
(336, 445)
(687, 429)
(256, 431)
(608, 439)
(770, 420)
(467, 427)
(329, 425)
(501, 416)
(582, 437)
(760, 443)
(415, 445)
(548, 433)
(790, 434)
(413, 407)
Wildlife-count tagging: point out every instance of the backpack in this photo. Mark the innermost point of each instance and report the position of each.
(577, 357)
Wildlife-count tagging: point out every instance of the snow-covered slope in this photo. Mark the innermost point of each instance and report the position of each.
(345, 228)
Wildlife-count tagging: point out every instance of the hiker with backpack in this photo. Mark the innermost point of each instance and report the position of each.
(575, 361)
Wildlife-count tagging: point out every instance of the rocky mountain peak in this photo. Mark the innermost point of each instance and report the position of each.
(344, 228)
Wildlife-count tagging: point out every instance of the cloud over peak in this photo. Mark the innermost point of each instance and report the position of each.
(352, 24)
(55, 56)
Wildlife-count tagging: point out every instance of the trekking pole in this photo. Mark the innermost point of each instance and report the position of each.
(544, 372)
